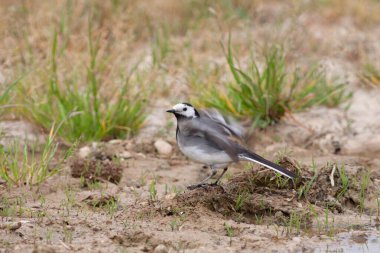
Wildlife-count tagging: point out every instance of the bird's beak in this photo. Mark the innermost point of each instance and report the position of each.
(171, 111)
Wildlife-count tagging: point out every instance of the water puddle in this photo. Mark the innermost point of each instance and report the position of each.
(352, 243)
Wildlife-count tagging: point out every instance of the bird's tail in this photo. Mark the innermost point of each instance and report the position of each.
(249, 156)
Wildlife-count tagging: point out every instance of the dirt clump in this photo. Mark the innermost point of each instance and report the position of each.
(264, 197)
(97, 168)
(133, 238)
(150, 242)
(100, 200)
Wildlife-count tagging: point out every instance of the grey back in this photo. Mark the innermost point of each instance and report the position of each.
(209, 135)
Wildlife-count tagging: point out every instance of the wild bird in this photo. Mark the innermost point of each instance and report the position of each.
(206, 138)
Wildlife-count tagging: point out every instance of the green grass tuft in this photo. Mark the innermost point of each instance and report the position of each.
(365, 180)
(303, 191)
(345, 182)
(20, 168)
(230, 232)
(153, 190)
(97, 116)
(160, 47)
(5, 95)
(266, 94)
(370, 75)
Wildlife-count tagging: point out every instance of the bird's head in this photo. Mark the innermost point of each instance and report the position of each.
(184, 110)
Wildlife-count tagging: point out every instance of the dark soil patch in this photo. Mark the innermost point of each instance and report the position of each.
(100, 200)
(97, 169)
(150, 242)
(264, 197)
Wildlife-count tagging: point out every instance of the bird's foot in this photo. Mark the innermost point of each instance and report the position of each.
(203, 185)
(195, 186)
(216, 184)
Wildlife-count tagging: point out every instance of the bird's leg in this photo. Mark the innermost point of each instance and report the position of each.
(221, 175)
(202, 183)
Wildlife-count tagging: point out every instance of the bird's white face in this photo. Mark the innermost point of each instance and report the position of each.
(185, 110)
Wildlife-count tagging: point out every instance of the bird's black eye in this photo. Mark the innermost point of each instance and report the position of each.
(185, 109)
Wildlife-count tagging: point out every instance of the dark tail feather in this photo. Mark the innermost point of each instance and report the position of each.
(248, 156)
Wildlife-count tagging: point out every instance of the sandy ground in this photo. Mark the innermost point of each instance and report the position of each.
(69, 214)
(147, 207)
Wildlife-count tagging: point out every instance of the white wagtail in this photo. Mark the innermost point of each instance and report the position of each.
(211, 141)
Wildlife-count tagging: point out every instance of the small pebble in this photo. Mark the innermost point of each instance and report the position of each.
(161, 249)
(296, 239)
(278, 214)
(125, 155)
(115, 141)
(84, 152)
(170, 196)
(163, 147)
(13, 226)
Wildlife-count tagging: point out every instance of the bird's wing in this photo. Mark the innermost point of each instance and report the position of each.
(211, 134)
(231, 127)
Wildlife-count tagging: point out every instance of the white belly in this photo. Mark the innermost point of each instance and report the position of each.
(198, 155)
